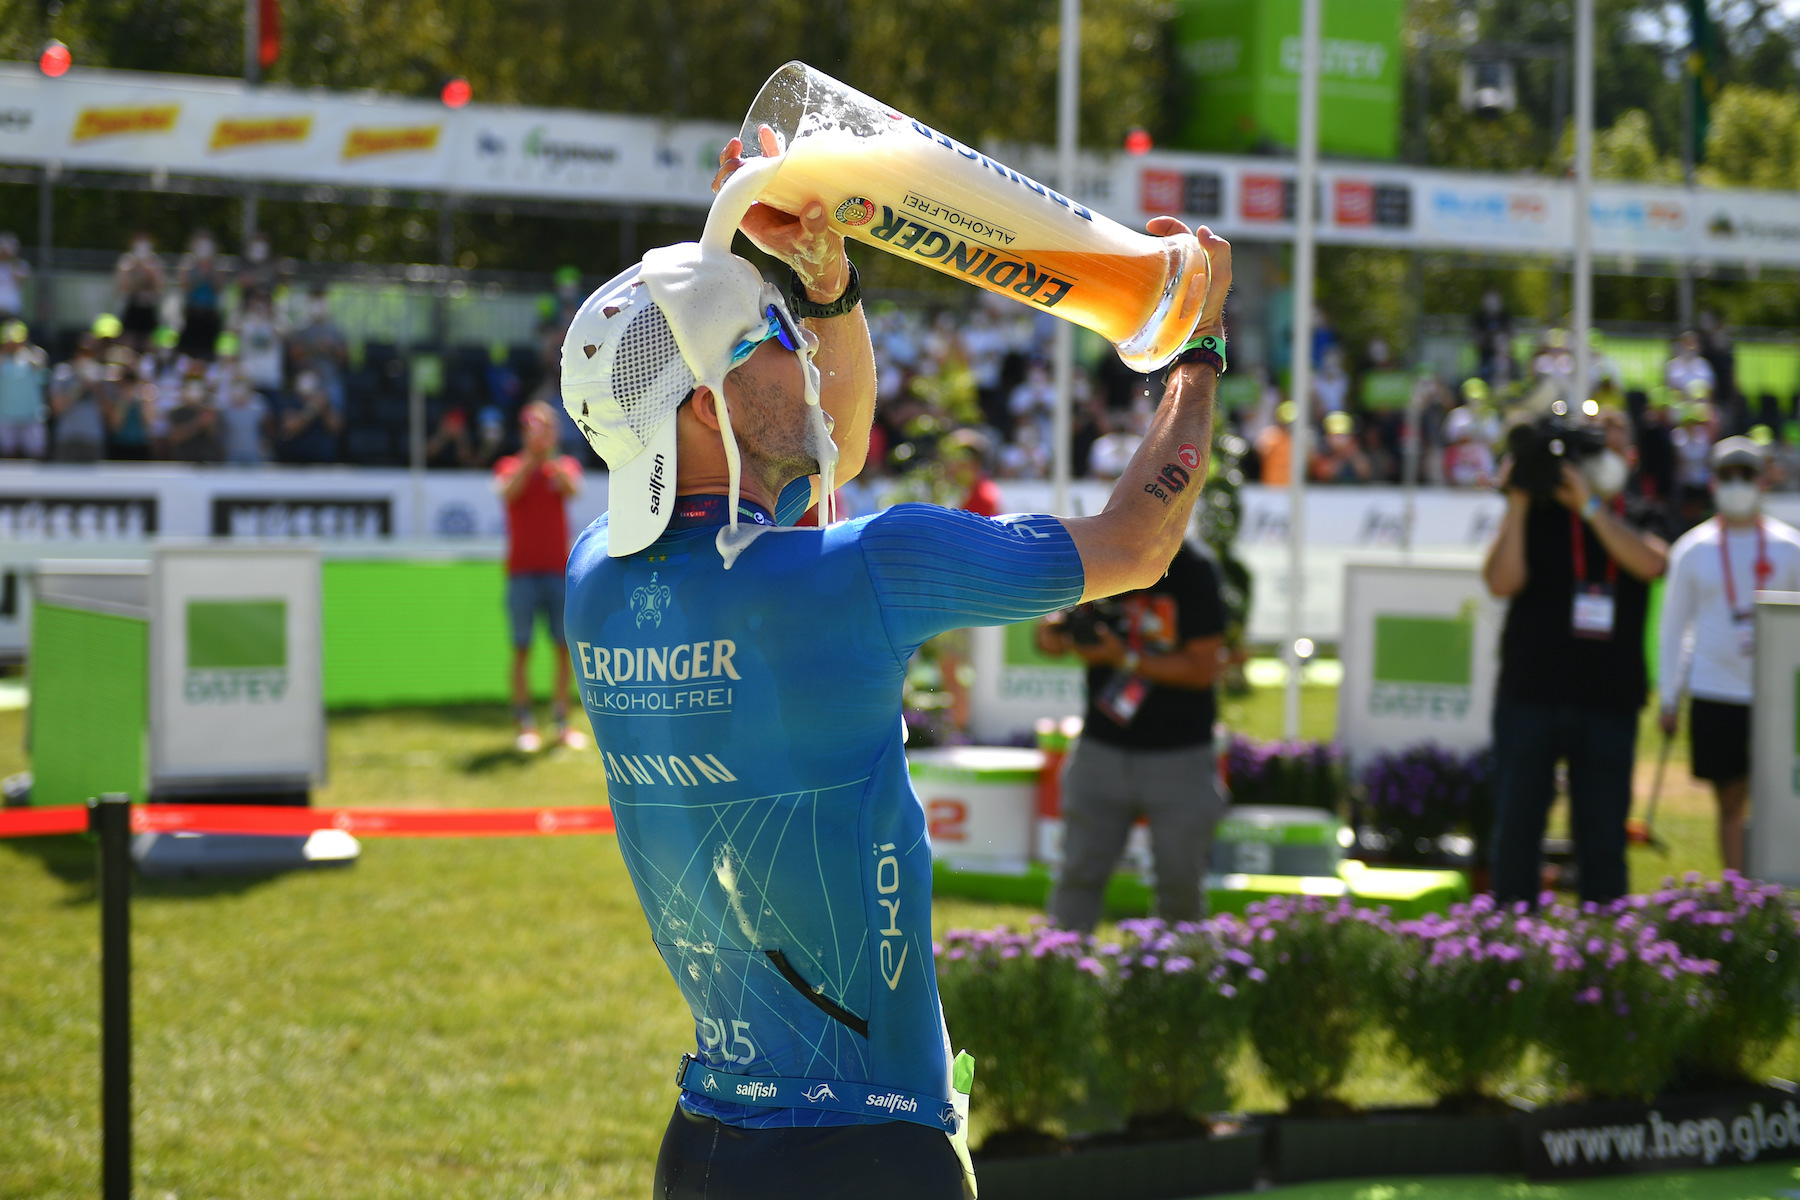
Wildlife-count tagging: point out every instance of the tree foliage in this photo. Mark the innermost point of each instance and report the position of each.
(1754, 140)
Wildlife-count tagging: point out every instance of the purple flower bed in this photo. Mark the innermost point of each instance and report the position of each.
(1753, 934)
(1176, 1001)
(1310, 774)
(1416, 796)
(1692, 985)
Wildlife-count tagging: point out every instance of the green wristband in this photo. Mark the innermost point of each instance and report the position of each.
(1207, 350)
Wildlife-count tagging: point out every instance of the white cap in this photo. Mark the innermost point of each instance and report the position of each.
(636, 349)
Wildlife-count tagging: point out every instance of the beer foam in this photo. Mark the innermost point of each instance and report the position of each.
(712, 300)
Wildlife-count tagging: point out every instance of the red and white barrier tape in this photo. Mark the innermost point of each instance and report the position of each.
(298, 822)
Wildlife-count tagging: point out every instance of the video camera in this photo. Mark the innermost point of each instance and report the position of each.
(1084, 621)
(1540, 448)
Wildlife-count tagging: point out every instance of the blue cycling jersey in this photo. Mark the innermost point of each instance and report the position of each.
(749, 722)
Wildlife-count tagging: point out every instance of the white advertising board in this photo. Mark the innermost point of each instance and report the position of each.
(221, 128)
(1420, 650)
(1369, 204)
(236, 688)
(72, 505)
(121, 120)
(1774, 834)
(1015, 685)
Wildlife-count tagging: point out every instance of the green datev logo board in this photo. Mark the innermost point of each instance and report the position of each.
(1424, 666)
(237, 651)
(1027, 673)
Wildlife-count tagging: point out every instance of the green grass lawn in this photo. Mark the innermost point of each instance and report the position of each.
(446, 1018)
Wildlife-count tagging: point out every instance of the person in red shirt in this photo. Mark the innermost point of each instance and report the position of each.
(535, 485)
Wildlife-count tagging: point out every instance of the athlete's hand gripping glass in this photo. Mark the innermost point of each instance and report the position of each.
(896, 184)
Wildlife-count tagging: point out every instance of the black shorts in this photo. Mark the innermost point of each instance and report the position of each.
(139, 318)
(704, 1159)
(1720, 734)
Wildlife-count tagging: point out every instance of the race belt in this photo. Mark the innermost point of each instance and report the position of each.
(836, 1095)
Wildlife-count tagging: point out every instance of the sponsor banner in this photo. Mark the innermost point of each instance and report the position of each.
(1670, 1133)
(85, 509)
(1242, 197)
(550, 152)
(115, 120)
(236, 687)
(1420, 649)
(118, 120)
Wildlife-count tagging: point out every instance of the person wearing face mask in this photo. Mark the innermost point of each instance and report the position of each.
(1576, 568)
(202, 283)
(1707, 629)
(319, 347)
(139, 281)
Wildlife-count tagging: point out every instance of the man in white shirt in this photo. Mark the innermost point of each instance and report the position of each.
(1706, 638)
(1688, 367)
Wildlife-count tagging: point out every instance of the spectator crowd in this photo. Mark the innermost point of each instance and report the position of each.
(207, 358)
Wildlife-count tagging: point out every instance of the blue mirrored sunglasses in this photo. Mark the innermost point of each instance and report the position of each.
(778, 326)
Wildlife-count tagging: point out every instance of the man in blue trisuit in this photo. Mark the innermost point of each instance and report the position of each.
(743, 678)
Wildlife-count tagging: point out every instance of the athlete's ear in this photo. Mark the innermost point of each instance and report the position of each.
(700, 407)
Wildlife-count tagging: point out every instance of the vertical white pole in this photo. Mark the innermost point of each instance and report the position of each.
(1584, 190)
(1068, 94)
(1301, 390)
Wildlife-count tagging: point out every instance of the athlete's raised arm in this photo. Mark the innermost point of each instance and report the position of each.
(1133, 539)
(806, 242)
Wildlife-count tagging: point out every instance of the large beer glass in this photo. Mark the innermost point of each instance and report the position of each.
(896, 184)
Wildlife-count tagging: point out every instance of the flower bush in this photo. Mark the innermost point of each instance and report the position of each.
(1693, 985)
(1416, 796)
(1027, 1005)
(1465, 995)
(1316, 963)
(1303, 773)
(1177, 998)
(1752, 931)
(1621, 1001)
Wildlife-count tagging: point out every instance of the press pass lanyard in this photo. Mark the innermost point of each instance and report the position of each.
(1743, 622)
(1595, 603)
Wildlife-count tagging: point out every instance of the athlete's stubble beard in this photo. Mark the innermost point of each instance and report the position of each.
(771, 429)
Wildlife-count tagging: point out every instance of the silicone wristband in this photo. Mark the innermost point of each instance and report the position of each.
(1208, 350)
(800, 306)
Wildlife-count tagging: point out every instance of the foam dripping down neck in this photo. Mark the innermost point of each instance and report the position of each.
(713, 299)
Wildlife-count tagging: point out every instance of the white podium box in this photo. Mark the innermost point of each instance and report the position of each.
(1773, 850)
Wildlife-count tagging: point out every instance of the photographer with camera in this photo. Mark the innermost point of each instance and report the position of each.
(1575, 555)
(1146, 745)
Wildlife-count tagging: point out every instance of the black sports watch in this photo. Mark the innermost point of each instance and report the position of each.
(800, 306)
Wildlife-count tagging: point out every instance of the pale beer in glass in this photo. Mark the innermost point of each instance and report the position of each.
(897, 184)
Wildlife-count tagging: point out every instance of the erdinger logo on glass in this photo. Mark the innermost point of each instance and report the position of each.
(857, 210)
(818, 1093)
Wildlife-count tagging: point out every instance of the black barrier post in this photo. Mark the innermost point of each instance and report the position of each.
(111, 819)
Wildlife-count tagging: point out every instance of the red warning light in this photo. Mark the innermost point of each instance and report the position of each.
(55, 60)
(456, 92)
(1137, 142)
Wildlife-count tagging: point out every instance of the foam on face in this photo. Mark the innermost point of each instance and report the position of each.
(713, 300)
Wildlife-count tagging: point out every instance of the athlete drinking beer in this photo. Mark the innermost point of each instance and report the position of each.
(744, 681)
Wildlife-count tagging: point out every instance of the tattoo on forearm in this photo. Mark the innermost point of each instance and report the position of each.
(1169, 482)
